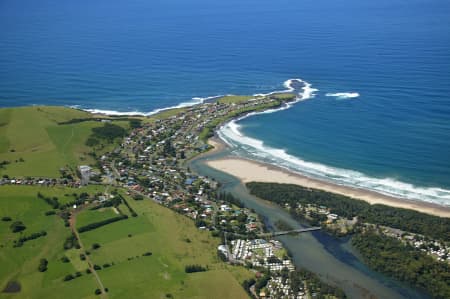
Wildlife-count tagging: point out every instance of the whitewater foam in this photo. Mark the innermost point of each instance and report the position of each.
(231, 134)
(343, 95)
(193, 102)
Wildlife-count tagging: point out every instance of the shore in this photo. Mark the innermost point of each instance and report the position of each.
(252, 171)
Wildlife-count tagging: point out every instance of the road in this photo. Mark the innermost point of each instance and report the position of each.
(73, 227)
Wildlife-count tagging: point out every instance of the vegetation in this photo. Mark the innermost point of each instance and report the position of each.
(17, 226)
(164, 262)
(283, 225)
(392, 257)
(71, 242)
(95, 225)
(42, 265)
(194, 268)
(233, 99)
(34, 134)
(108, 132)
(21, 240)
(315, 285)
(408, 220)
(157, 230)
(51, 201)
(208, 131)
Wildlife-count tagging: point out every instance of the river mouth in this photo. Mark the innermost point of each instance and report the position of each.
(333, 259)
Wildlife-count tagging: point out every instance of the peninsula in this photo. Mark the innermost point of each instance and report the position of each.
(98, 196)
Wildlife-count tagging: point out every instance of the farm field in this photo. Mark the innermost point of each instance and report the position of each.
(36, 145)
(172, 239)
(20, 264)
(174, 242)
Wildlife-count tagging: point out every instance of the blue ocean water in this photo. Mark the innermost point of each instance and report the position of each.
(138, 55)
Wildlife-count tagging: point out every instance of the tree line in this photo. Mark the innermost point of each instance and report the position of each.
(390, 256)
(404, 219)
(98, 224)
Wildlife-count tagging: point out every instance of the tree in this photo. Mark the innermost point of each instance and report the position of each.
(17, 226)
(43, 265)
(135, 123)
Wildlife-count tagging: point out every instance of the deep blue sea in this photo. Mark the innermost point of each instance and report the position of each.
(144, 55)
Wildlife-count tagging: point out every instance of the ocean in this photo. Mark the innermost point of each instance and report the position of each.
(379, 117)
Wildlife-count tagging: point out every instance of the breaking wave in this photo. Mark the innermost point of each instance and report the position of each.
(343, 95)
(255, 149)
(193, 102)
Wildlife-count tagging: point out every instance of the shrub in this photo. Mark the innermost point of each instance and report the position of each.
(97, 292)
(95, 246)
(6, 218)
(194, 268)
(101, 223)
(20, 241)
(17, 226)
(108, 132)
(43, 265)
(97, 267)
(71, 242)
(65, 259)
(135, 123)
(68, 277)
(148, 253)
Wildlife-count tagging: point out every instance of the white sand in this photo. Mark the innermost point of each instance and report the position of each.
(250, 171)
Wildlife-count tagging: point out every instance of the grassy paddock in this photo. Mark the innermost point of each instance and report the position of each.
(32, 134)
(232, 99)
(165, 234)
(173, 240)
(21, 263)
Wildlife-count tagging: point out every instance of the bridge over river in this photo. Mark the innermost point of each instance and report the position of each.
(287, 232)
(279, 233)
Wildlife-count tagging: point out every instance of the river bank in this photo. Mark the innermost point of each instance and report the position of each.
(334, 260)
(249, 170)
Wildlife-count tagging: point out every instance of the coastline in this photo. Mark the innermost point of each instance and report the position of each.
(247, 170)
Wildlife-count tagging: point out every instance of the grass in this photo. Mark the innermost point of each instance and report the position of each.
(20, 264)
(283, 96)
(156, 229)
(33, 134)
(234, 99)
(164, 233)
(91, 216)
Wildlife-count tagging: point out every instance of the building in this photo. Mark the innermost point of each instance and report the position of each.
(85, 173)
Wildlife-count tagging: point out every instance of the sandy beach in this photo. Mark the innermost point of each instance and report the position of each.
(248, 171)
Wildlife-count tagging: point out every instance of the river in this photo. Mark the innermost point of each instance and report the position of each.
(334, 260)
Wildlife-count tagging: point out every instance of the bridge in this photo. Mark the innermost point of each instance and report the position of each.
(287, 232)
(274, 234)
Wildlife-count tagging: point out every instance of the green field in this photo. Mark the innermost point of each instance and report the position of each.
(173, 240)
(36, 145)
(21, 263)
(33, 134)
(90, 216)
(234, 99)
